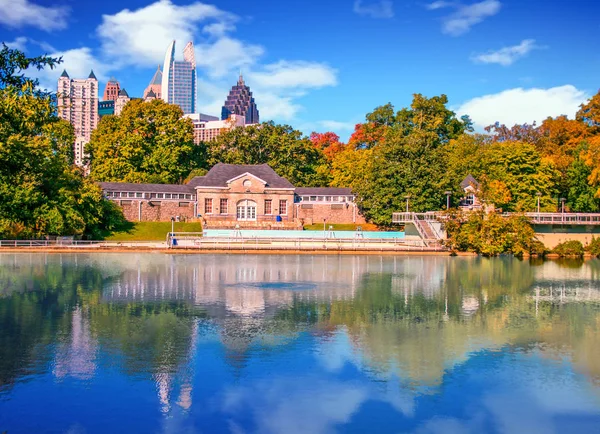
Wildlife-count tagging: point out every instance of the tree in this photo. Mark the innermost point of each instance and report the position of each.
(408, 160)
(290, 153)
(589, 113)
(329, 143)
(147, 142)
(581, 195)
(41, 192)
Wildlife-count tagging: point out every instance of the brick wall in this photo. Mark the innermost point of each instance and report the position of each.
(333, 213)
(156, 210)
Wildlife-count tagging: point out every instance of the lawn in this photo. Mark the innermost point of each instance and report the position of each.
(151, 231)
(340, 227)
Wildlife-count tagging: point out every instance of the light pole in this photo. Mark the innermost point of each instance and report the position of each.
(538, 194)
(172, 229)
(448, 193)
(407, 197)
(562, 200)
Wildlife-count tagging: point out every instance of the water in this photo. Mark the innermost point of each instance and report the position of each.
(154, 343)
(260, 233)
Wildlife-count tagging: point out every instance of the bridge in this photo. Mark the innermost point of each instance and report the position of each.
(428, 223)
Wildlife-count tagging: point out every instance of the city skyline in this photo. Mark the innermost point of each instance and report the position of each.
(398, 48)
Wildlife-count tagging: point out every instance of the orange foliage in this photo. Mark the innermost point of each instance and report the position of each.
(559, 140)
(367, 135)
(329, 143)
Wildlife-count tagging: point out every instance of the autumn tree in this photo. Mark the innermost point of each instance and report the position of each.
(148, 142)
(41, 191)
(589, 113)
(329, 143)
(289, 152)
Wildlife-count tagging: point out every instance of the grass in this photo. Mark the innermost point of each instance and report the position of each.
(340, 227)
(150, 231)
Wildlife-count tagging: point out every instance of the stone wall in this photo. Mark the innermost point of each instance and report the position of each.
(310, 213)
(156, 210)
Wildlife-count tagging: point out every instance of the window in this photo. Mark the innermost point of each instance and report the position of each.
(246, 210)
(223, 206)
(328, 198)
(306, 198)
(313, 198)
(470, 199)
(283, 207)
(131, 194)
(208, 206)
(268, 206)
(159, 195)
(167, 195)
(247, 183)
(139, 195)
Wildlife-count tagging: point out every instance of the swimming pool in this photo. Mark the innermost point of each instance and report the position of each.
(251, 233)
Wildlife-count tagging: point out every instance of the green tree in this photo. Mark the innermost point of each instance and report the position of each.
(41, 192)
(581, 196)
(147, 142)
(290, 153)
(408, 160)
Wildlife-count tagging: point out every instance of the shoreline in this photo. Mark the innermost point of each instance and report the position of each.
(183, 251)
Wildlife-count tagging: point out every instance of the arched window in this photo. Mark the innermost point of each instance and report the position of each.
(246, 210)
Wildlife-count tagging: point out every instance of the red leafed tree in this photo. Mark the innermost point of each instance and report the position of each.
(329, 143)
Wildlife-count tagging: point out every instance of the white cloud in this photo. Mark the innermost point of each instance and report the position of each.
(141, 37)
(466, 16)
(440, 4)
(226, 54)
(337, 125)
(508, 55)
(78, 63)
(518, 106)
(297, 74)
(378, 9)
(21, 13)
(20, 43)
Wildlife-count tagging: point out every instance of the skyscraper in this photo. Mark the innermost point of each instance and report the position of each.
(78, 103)
(111, 91)
(240, 102)
(179, 82)
(155, 85)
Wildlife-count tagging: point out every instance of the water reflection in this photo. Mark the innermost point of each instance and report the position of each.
(263, 343)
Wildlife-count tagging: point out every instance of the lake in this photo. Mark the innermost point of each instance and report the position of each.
(157, 343)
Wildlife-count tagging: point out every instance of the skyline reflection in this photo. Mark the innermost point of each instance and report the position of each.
(208, 331)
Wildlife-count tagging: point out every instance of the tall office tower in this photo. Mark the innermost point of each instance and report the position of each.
(155, 84)
(78, 103)
(111, 91)
(240, 102)
(179, 82)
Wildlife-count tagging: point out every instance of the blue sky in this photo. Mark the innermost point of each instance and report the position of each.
(324, 65)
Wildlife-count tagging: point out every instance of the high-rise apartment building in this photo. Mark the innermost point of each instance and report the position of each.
(240, 102)
(155, 85)
(179, 81)
(78, 103)
(111, 91)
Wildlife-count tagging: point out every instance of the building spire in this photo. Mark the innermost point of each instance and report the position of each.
(241, 79)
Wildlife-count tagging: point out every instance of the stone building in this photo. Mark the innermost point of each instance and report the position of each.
(121, 101)
(471, 189)
(111, 91)
(230, 195)
(77, 103)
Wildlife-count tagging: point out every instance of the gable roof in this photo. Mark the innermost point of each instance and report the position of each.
(221, 173)
(323, 191)
(123, 92)
(64, 74)
(92, 75)
(469, 181)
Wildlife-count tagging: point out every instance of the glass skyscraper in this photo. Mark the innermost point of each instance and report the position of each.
(179, 81)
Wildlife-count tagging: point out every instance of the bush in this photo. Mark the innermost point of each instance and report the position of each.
(569, 248)
(594, 247)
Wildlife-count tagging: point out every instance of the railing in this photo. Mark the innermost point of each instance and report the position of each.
(77, 243)
(557, 218)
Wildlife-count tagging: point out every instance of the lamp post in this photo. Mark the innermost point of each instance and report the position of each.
(562, 201)
(172, 229)
(448, 193)
(538, 194)
(407, 197)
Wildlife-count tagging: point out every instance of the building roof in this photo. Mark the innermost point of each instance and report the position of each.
(323, 191)
(123, 92)
(64, 74)
(154, 188)
(469, 180)
(220, 173)
(157, 77)
(92, 75)
(150, 94)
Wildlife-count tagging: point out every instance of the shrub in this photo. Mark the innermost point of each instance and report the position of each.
(594, 247)
(569, 248)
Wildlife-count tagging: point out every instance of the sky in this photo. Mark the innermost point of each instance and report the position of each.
(323, 65)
